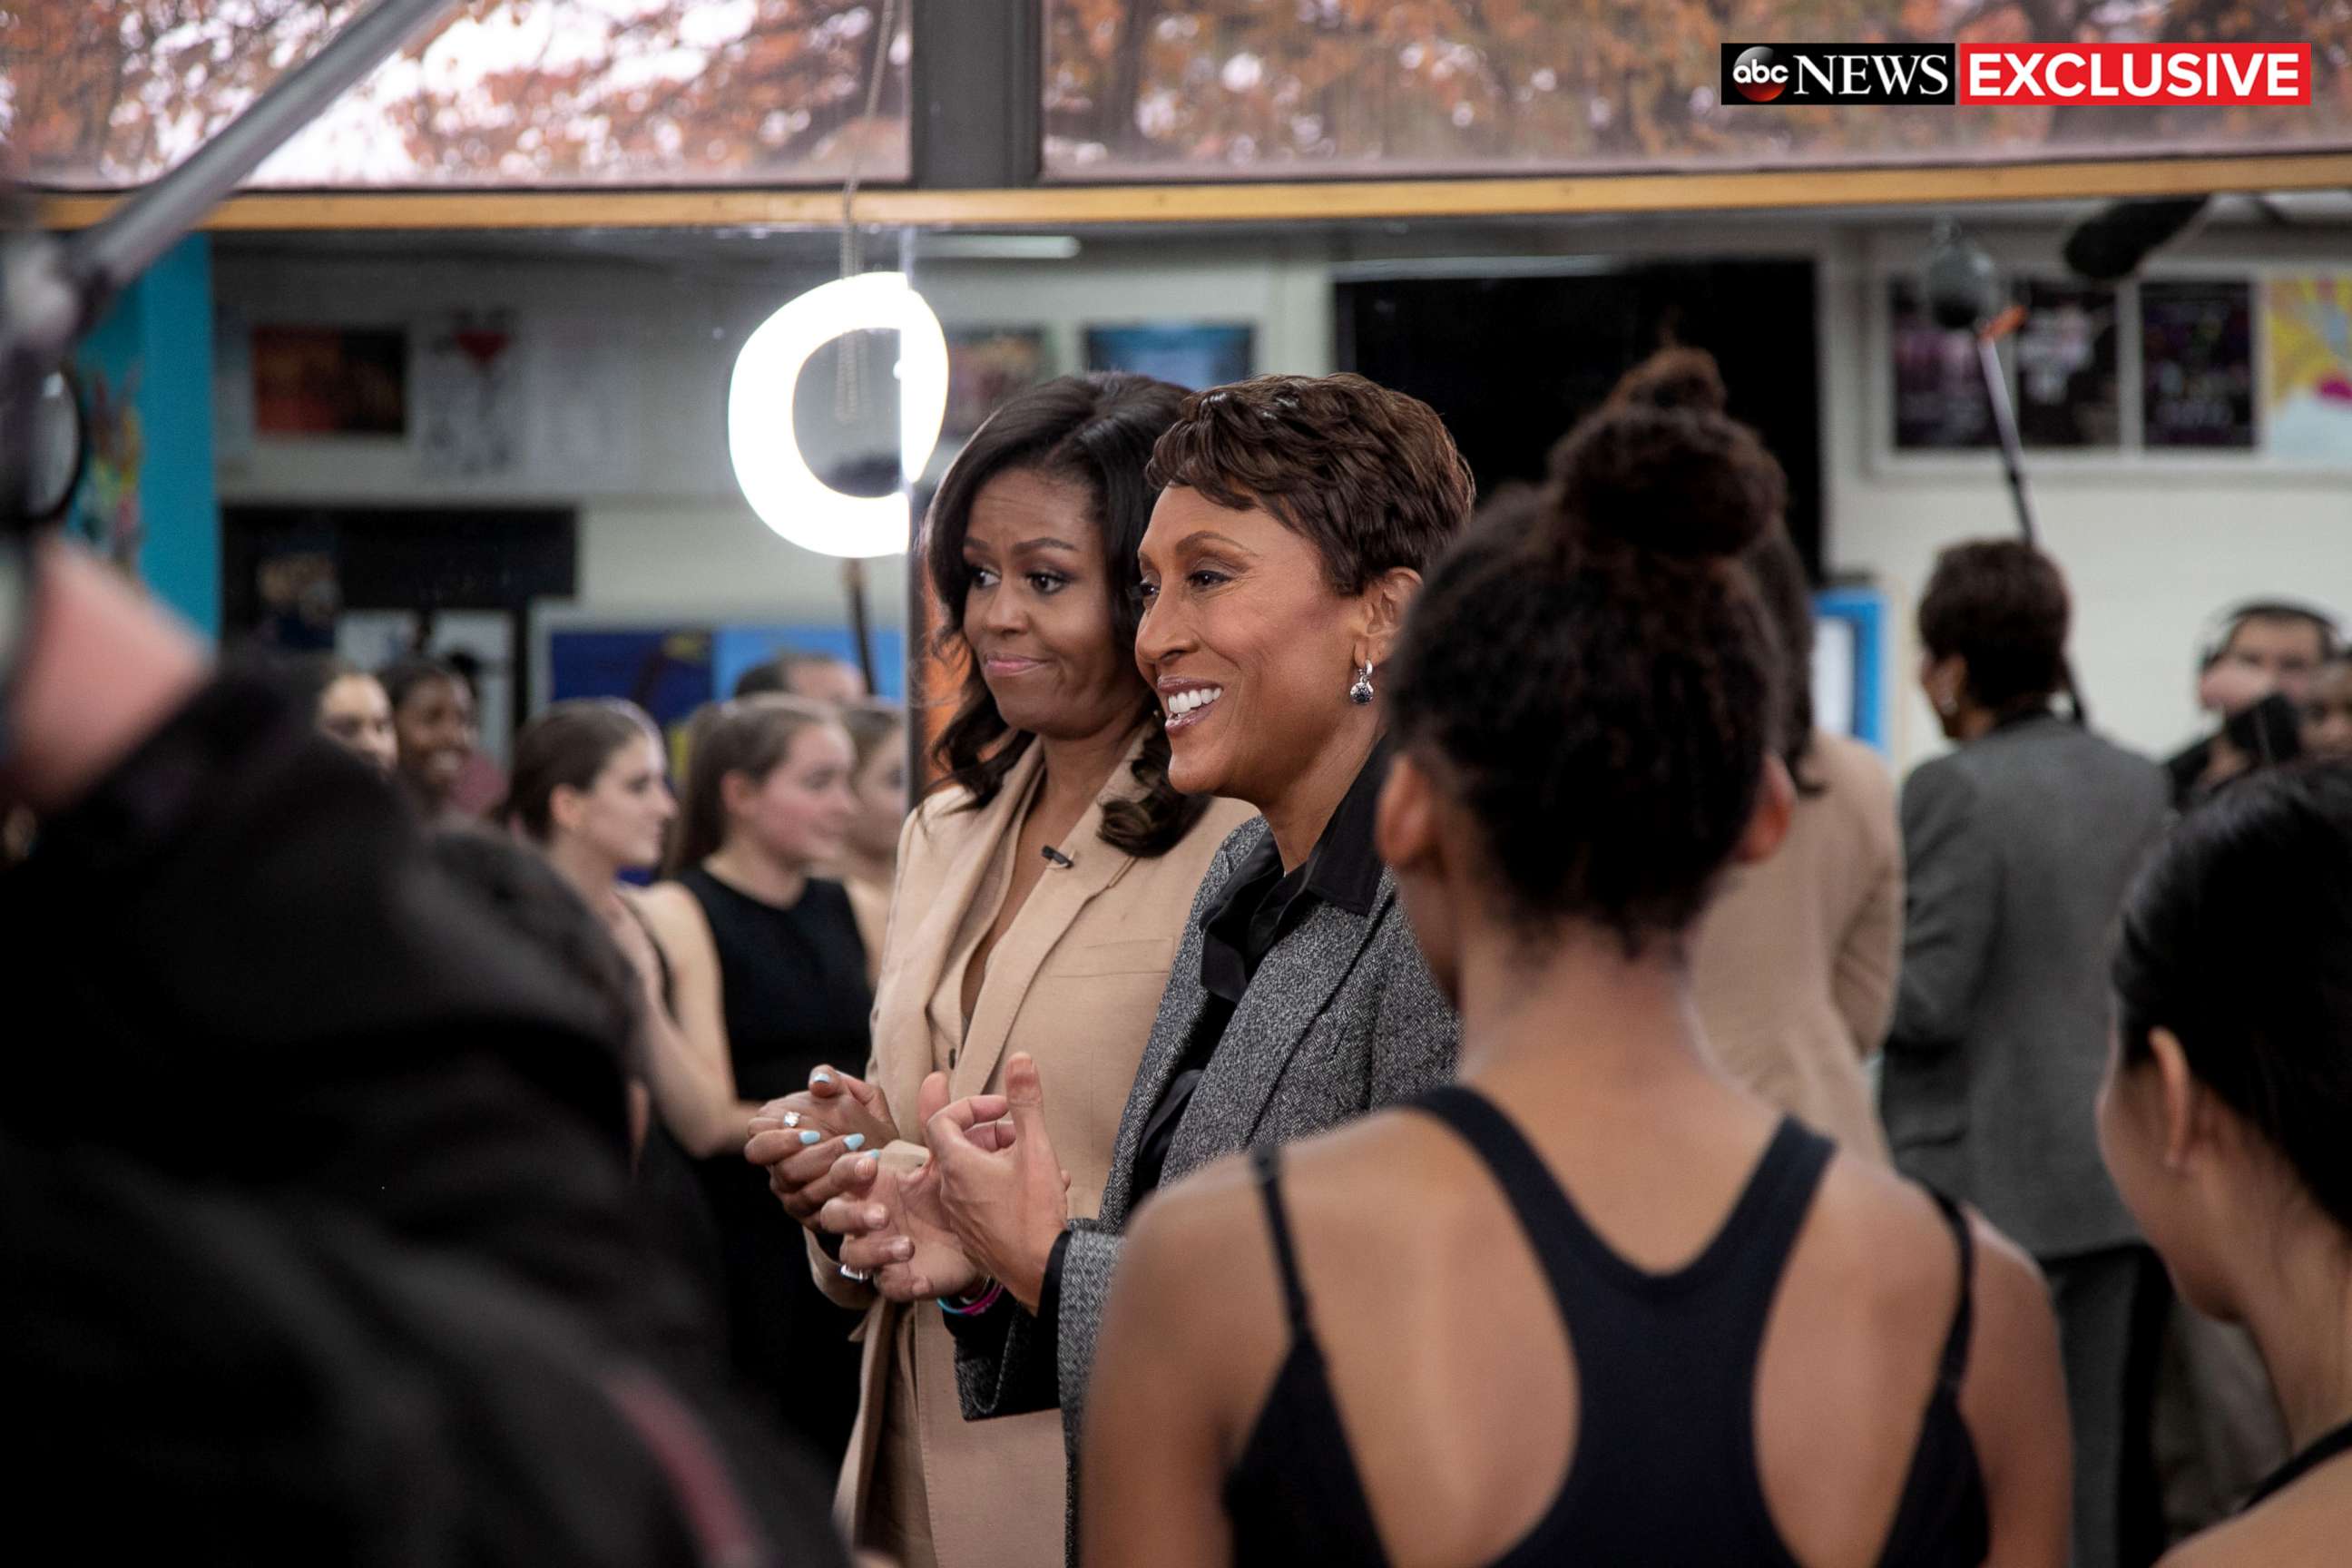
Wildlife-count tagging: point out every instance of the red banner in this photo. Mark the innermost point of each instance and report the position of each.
(2143, 74)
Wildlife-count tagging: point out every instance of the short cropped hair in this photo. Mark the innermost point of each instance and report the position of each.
(2001, 605)
(1368, 475)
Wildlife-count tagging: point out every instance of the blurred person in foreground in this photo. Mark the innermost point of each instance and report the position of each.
(2222, 1120)
(2018, 847)
(358, 1278)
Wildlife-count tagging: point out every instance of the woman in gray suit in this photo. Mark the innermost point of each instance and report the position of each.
(2020, 845)
(1295, 520)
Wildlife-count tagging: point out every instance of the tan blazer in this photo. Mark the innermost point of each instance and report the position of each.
(1794, 964)
(1076, 982)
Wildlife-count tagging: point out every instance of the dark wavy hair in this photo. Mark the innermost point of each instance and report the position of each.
(1596, 678)
(1095, 431)
(1366, 474)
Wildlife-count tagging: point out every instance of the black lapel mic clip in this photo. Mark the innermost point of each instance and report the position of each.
(1057, 857)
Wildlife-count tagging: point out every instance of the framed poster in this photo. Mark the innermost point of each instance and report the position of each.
(329, 381)
(2307, 322)
(2062, 359)
(1191, 354)
(2196, 364)
(1940, 396)
(987, 365)
(470, 394)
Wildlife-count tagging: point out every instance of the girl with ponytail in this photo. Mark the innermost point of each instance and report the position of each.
(1710, 1337)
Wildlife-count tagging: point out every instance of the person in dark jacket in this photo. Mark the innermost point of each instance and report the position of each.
(2018, 847)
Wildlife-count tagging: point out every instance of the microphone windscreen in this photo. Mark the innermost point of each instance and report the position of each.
(2112, 242)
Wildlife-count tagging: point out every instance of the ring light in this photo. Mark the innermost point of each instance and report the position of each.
(769, 464)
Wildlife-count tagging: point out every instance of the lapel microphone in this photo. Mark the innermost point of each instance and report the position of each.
(1057, 857)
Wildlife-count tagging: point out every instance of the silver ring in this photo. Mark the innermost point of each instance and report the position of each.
(849, 1273)
(791, 1119)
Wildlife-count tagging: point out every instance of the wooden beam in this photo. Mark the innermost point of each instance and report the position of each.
(1062, 207)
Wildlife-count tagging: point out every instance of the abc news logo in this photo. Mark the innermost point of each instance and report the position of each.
(1839, 73)
(2085, 75)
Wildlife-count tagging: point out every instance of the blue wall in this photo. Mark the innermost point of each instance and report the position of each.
(153, 453)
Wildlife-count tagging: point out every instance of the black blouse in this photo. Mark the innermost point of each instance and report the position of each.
(1256, 908)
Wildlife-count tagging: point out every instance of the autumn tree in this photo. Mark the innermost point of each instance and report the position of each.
(110, 93)
(1286, 86)
(715, 92)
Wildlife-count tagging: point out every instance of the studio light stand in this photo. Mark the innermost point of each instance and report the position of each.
(1965, 294)
(53, 289)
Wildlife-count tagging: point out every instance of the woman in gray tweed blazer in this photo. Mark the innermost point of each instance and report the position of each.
(1295, 518)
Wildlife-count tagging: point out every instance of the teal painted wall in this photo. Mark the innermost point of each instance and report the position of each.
(147, 387)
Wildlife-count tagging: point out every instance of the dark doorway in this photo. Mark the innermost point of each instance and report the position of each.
(288, 573)
(1512, 361)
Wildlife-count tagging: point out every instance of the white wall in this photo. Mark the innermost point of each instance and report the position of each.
(624, 375)
(624, 369)
(2149, 550)
(627, 366)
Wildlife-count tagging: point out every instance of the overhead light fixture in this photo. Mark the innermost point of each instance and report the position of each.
(774, 473)
(998, 247)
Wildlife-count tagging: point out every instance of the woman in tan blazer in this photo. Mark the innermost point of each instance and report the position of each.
(1042, 891)
(1793, 965)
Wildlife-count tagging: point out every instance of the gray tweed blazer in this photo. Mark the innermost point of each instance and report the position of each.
(2020, 848)
(1340, 1019)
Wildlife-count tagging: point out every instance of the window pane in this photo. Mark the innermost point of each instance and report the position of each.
(109, 93)
(1294, 87)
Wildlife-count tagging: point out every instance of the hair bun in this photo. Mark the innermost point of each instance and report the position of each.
(1677, 481)
(1674, 378)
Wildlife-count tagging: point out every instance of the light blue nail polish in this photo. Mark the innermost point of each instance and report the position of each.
(855, 1141)
(820, 1077)
(809, 1138)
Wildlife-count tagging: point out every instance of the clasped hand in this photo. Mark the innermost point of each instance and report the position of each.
(989, 1203)
(802, 1138)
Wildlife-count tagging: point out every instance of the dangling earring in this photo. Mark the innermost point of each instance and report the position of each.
(1359, 690)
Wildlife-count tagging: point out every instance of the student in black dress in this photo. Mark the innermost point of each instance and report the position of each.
(2223, 1119)
(1596, 1303)
(766, 959)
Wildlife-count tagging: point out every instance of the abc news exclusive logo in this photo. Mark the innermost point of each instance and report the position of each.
(2136, 74)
